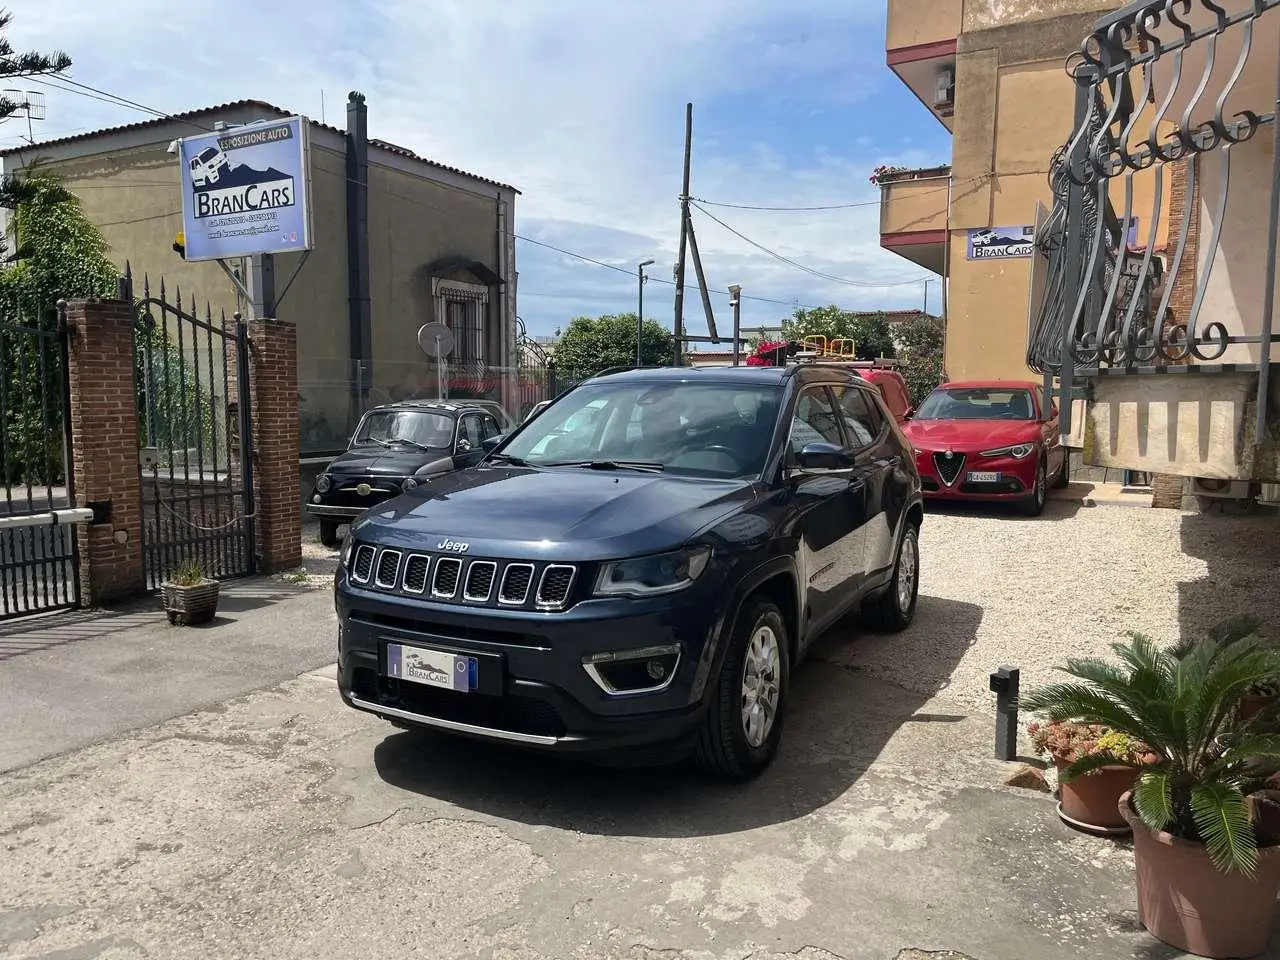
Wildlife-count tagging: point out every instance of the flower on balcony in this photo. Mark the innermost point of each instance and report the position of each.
(884, 170)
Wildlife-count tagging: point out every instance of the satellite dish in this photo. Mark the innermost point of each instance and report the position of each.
(435, 339)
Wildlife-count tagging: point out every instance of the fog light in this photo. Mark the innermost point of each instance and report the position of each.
(315, 498)
(643, 670)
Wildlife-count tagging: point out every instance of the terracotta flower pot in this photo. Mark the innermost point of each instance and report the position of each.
(189, 606)
(1187, 902)
(1089, 802)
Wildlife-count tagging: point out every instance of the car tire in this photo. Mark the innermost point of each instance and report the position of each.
(1063, 479)
(1033, 505)
(738, 738)
(894, 609)
(329, 533)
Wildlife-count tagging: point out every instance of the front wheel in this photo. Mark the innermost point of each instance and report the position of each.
(1033, 505)
(894, 609)
(743, 726)
(329, 533)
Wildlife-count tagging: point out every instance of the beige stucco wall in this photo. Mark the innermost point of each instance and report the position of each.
(912, 205)
(988, 14)
(911, 23)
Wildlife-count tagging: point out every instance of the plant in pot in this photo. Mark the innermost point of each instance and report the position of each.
(190, 597)
(1260, 699)
(1091, 802)
(1208, 868)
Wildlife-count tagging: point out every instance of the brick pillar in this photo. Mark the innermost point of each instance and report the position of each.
(1166, 488)
(104, 448)
(273, 350)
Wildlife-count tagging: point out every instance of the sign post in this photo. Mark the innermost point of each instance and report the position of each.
(247, 193)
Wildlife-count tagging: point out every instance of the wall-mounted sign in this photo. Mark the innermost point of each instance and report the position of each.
(998, 243)
(246, 190)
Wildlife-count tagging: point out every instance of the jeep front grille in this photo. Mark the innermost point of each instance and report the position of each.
(362, 565)
(415, 573)
(515, 584)
(451, 579)
(448, 573)
(480, 577)
(553, 588)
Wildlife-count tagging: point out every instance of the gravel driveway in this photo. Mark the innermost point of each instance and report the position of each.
(997, 589)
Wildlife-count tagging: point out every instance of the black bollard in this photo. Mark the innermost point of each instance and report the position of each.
(1004, 684)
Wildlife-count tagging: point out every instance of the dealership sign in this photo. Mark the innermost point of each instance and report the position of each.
(246, 190)
(999, 243)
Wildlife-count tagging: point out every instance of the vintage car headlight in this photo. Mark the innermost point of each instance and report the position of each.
(409, 484)
(1017, 451)
(652, 575)
(323, 483)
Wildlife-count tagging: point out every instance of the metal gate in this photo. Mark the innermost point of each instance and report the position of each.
(196, 467)
(39, 565)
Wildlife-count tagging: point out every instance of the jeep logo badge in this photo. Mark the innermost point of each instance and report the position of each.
(453, 546)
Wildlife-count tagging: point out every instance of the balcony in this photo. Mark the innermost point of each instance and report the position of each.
(1159, 291)
(920, 47)
(913, 215)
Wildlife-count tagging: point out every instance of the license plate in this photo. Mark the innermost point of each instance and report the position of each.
(983, 476)
(432, 668)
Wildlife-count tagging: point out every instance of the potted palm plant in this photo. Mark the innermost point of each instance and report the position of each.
(1091, 802)
(190, 597)
(1208, 868)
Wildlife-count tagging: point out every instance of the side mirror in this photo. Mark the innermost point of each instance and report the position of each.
(489, 444)
(911, 412)
(464, 446)
(821, 456)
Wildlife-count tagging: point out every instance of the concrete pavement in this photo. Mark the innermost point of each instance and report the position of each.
(283, 825)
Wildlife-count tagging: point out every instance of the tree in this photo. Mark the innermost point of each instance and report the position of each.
(921, 337)
(13, 66)
(870, 332)
(63, 255)
(591, 344)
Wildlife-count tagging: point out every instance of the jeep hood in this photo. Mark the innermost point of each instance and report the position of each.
(562, 513)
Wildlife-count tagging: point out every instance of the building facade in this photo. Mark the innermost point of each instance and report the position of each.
(398, 241)
(992, 73)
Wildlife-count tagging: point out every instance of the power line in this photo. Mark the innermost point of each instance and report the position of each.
(800, 266)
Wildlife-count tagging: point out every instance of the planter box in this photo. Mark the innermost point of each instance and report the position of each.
(1092, 802)
(188, 606)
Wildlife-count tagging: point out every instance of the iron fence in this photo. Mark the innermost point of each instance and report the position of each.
(1161, 110)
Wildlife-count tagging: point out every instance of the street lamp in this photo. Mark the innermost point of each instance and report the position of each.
(735, 301)
(640, 309)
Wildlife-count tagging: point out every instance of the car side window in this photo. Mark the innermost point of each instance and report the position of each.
(862, 420)
(470, 429)
(489, 427)
(814, 420)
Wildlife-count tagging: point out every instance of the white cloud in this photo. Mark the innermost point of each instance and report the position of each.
(578, 103)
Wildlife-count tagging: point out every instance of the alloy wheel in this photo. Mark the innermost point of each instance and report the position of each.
(761, 679)
(908, 571)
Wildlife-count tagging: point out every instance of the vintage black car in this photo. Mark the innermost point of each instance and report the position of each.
(394, 448)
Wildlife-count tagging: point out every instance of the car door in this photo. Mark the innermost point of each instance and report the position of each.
(865, 419)
(829, 505)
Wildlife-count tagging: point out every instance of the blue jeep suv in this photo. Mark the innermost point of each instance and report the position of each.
(640, 565)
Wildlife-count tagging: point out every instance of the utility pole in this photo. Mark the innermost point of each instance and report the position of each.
(678, 326)
(640, 309)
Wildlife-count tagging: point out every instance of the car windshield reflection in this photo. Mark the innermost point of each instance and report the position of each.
(716, 430)
(411, 428)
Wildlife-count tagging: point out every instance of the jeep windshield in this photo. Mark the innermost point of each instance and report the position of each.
(408, 428)
(718, 430)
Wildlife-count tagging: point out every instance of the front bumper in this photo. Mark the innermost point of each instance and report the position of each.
(1015, 478)
(534, 689)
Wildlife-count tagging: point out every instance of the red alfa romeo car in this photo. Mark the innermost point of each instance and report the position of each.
(988, 440)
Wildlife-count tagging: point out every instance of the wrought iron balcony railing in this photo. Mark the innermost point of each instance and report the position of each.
(1168, 95)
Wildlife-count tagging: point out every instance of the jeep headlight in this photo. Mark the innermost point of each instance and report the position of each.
(323, 483)
(344, 555)
(652, 575)
(1017, 451)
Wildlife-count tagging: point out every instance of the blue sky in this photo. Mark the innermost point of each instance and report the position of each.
(578, 103)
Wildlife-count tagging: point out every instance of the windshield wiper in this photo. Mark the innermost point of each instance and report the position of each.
(649, 466)
(379, 441)
(412, 443)
(508, 458)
